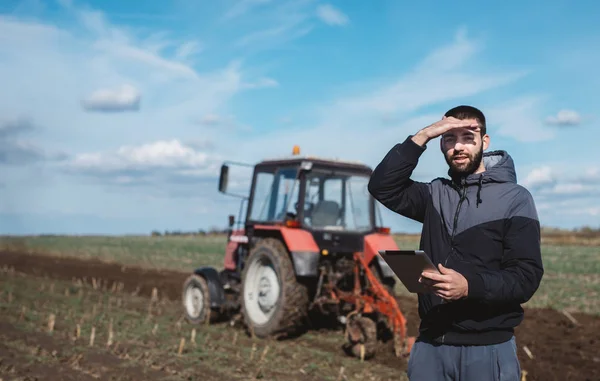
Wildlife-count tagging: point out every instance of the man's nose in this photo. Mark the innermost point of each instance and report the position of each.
(458, 146)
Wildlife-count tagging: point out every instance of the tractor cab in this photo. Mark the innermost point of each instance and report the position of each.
(315, 194)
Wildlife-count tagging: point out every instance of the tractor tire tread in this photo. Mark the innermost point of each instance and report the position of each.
(295, 294)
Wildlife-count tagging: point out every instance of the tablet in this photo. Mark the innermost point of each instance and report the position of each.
(408, 266)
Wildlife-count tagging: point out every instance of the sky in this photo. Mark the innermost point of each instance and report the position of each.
(116, 116)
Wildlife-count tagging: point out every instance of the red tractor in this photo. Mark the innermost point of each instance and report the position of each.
(309, 242)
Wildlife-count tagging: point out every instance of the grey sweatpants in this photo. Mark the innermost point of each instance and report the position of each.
(433, 362)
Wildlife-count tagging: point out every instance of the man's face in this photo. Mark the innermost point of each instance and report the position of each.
(463, 149)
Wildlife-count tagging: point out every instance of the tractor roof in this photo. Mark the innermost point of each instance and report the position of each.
(317, 161)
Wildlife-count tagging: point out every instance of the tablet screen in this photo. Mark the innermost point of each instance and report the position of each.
(408, 266)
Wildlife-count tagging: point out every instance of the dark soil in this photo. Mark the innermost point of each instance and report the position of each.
(561, 350)
(168, 283)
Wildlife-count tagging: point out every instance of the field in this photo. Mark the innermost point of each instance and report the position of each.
(108, 308)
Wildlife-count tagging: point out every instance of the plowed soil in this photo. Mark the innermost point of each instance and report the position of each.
(561, 349)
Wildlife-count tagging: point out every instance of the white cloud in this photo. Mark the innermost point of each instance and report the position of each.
(539, 177)
(554, 178)
(124, 98)
(565, 118)
(560, 178)
(149, 163)
(170, 173)
(163, 154)
(331, 15)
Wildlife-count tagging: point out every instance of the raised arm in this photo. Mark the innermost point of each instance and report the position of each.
(391, 184)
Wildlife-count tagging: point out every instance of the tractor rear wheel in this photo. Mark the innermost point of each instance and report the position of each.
(196, 299)
(273, 302)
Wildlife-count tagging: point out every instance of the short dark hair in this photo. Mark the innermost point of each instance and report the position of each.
(468, 112)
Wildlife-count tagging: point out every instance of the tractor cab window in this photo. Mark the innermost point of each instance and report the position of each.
(338, 201)
(275, 195)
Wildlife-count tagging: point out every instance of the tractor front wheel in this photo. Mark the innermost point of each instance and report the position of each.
(273, 302)
(196, 299)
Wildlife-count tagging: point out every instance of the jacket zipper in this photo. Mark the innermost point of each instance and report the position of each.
(463, 196)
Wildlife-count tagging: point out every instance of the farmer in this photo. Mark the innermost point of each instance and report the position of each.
(482, 231)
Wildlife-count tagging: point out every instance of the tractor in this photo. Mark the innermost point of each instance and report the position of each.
(308, 243)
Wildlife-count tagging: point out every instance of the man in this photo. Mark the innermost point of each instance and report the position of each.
(482, 231)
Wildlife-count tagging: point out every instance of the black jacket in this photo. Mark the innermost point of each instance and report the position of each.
(484, 226)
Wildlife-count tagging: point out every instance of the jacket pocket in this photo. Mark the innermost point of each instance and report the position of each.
(475, 316)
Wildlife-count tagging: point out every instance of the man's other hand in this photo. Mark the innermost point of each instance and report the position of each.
(449, 285)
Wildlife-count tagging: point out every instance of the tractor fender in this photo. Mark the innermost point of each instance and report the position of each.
(215, 288)
(375, 242)
(301, 245)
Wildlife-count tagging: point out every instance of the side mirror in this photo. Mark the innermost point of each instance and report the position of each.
(231, 220)
(223, 178)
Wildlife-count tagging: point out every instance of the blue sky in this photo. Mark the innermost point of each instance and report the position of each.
(115, 116)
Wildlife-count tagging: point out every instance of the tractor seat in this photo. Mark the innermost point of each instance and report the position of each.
(325, 213)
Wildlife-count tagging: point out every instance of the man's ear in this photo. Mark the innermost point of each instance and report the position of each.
(485, 141)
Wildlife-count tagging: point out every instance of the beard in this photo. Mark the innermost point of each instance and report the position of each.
(466, 168)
